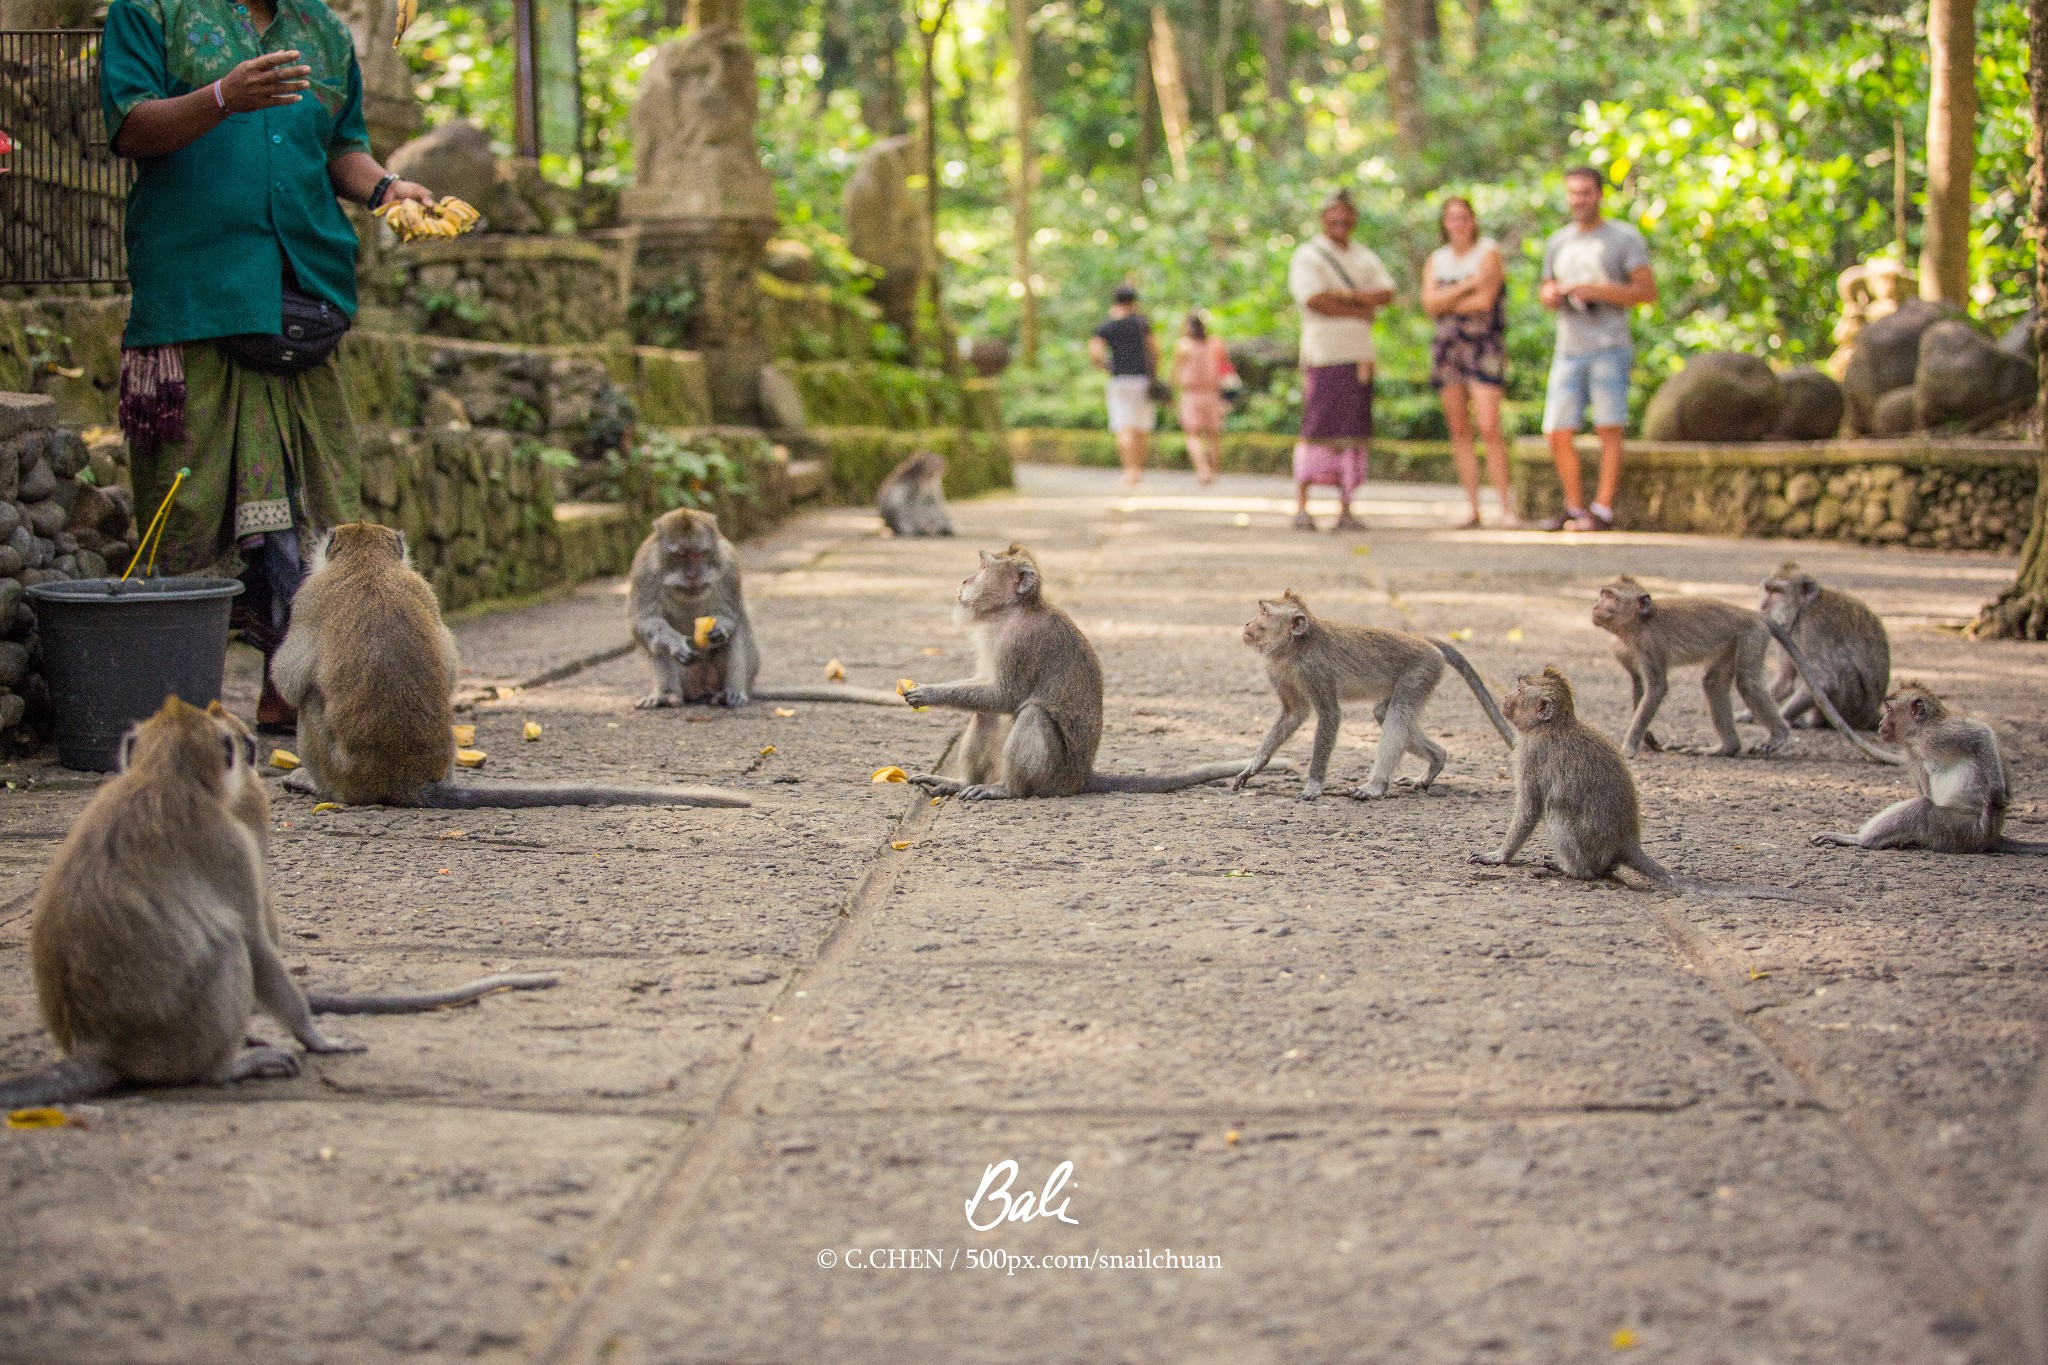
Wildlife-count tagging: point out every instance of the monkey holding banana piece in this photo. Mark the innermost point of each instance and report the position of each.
(1653, 636)
(1845, 641)
(1036, 697)
(690, 619)
(1317, 665)
(372, 670)
(912, 500)
(150, 943)
(1965, 787)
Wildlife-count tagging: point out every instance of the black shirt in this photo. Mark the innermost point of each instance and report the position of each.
(1126, 337)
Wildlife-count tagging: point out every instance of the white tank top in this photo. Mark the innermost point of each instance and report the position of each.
(1449, 267)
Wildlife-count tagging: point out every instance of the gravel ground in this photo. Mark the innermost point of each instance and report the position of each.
(1395, 1107)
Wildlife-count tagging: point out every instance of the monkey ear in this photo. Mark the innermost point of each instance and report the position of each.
(1918, 706)
(1808, 589)
(987, 559)
(127, 751)
(1643, 605)
(1544, 707)
(1027, 580)
(1299, 626)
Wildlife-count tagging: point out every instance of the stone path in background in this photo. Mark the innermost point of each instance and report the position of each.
(1400, 1108)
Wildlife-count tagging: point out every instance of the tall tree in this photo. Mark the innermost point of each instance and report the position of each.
(1027, 169)
(1951, 149)
(928, 26)
(1173, 91)
(1272, 24)
(1400, 42)
(2021, 611)
(857, 46)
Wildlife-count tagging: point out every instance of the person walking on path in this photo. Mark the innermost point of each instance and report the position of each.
(246, 120)
(1126, 348)
(1340, 286)
(1199, 365)
(1594, 271)
(1465, 289)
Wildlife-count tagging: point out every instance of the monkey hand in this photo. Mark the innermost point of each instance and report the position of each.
(917, 697)
(1488, 859)
(1310, 790)
(1237, 783)
(1829, 839)
(655, 699)
(734, 697)
(316, 1041)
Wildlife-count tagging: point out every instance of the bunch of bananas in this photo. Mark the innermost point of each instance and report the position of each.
(408, 10)
(411, 219)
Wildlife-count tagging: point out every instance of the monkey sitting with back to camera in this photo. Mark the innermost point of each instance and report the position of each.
(372, 670)
(1843, 640)
(690, 619)
(1318, 665)
(912, 500)
(1036, 697)
(1965, 787)
(1654, 635)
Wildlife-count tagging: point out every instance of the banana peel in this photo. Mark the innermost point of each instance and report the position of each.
(284, 760)
(890, 774)
(531, 731)
(702, 637)
(470, 758)
(835, 671)
(408, 10)
(904, 685)
(465, 735)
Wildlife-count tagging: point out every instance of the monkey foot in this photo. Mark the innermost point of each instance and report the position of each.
(1486, 859)
(936, 786)
(1764, 748)
(732, 698)
(1829, 839)
(265, 1062)
(984, 791)
(657, 699)
(301, 782)
(320, 1042)
(1371, 791)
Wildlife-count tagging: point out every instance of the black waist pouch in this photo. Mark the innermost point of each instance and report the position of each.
(312, 329)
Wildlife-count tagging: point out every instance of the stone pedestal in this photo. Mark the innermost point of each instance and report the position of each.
(717, 257)
(885, 227)
(389, 106)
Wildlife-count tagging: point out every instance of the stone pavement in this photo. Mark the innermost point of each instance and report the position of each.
(1397, 1107)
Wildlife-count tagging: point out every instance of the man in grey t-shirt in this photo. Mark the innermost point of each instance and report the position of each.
(1594, 271)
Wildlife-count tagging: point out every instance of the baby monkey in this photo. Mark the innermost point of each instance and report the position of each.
(690, 619)
(912, 500)
(1036, 699)
(1844, 639)
(1318, 665)
(1654, 635)
(1965, 787)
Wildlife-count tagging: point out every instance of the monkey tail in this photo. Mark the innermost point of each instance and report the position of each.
(2030, 846)
(1693, 886)
(59, 1084)
(1651, 868)
(1472, 680)
(1873, 752)
(1163, 782)
(864, 696)
(431, 1000)
(523, 796)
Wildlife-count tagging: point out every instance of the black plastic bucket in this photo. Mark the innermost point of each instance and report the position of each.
(113, 650)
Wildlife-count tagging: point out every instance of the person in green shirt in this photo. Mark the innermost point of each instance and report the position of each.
(245, 118)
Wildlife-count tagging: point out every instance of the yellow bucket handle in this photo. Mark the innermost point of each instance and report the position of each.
(156, 530)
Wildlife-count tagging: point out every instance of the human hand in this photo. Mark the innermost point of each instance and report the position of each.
(267, 82)
(406, 189)
(1551, 294)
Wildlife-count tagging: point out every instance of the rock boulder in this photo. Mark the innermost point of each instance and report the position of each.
(1963, 377)
(454, 158)
(1718, 396)
(1894, 414)
(1813, 406)
(1887, 357)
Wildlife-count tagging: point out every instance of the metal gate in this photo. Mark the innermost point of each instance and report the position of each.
(63, 193)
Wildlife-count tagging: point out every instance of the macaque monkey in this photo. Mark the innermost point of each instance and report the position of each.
(1843, 639)
(249, 802)
(686, 572)
(150, 943)
(1653, 636)
(912, 500)
(1965, 787)
(372, 670)
(1318, 665)
(1036, 697)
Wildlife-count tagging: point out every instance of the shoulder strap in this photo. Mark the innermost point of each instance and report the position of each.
(1335, 264)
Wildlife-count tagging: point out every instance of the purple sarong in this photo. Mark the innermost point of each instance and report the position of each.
(1334, 405)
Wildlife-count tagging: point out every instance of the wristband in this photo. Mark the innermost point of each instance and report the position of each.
(220, 99)
(383, 188)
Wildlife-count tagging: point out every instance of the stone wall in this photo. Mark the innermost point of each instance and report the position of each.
(809, 322)
(871, 393)
(54, 524)
(1935, 494)
(1243, 452)
(546, 291)
(857, 459)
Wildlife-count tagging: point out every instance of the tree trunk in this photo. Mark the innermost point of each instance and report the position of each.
(1173, 94)
(2021, 611)
(928, 114)
(1477, 15)
(1431, 21)
(1272, 20)
(1148, 140)
(1398, 39)
(1220, 53)
(858, 48)
(1027, 169)
(705, 13)
(1951, 150)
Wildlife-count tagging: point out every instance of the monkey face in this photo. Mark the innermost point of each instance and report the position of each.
(1000, 583)
(688, 566)
(1906, 711)
(1621, 606)
(1786, 596)
(1276, 623)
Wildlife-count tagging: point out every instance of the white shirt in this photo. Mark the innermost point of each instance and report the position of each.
(1448, 266)
(1314, 270)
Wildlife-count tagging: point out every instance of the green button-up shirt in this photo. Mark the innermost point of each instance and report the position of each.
(211, 225)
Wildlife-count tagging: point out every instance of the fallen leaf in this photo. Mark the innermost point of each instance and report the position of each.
(464, 734)
(1237, 872)
(1361, 549)
(531, 731)
(835, 671)
(904, 685)
(931, 651)
(283, 759)
(470, 758)
(891, 774)
(899, 844)
(1231, 1137)
(37, 1118)
(327, 806)
(442, 873)
(1514, 635)
(784, 712)
(767, 749)
(1623, 1339)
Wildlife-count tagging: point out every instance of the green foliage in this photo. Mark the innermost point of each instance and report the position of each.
(446, 303)
(676, 469)
(661, 316)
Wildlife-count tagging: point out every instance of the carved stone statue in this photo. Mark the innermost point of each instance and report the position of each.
(1869, 290)
(885, 226)
(693, 133)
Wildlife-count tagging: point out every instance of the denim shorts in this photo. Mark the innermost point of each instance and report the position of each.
(1597, 377)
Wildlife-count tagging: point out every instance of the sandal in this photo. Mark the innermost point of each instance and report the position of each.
(1304, 522)
(1347, 522)
(1591, 521)
(1558, 522)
